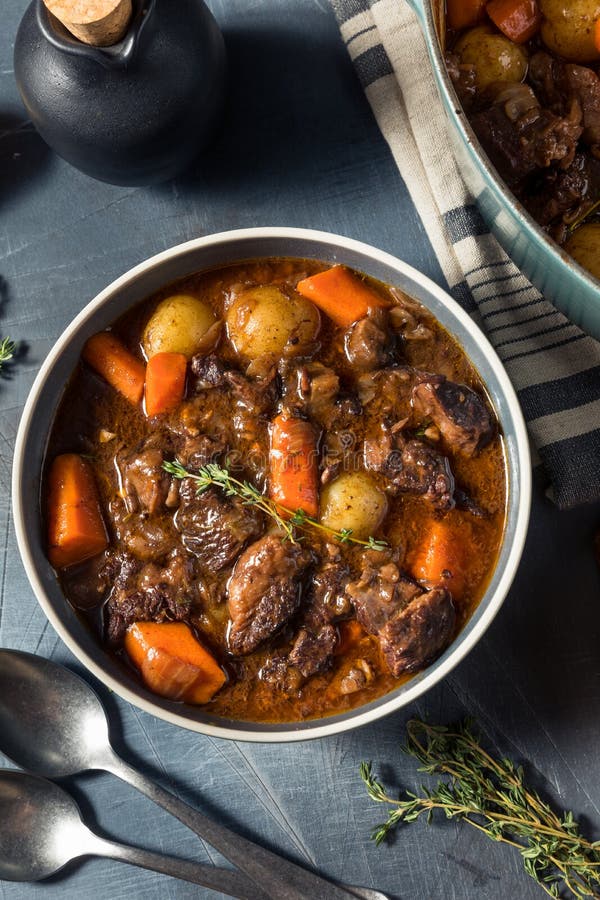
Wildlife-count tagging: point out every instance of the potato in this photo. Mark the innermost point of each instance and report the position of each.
(584, 246)
(353, 500)
(177, 325)
(263, 320)
(494, 56)
(568, 28)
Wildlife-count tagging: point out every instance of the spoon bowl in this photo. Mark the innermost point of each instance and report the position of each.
(51, 721)
(40, 828)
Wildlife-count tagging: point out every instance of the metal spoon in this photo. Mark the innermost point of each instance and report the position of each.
(41, 830)
(53, 723)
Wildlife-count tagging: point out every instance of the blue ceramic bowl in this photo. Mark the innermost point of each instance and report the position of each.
(140, 282)
(563, 281)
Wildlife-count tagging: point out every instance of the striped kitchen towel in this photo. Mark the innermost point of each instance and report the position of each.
(554, 366)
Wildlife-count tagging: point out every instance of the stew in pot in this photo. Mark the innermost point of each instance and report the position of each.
(526, 73)
(277, 488)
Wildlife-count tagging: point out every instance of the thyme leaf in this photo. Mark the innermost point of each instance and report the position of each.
(7, 350)
(490, 794)
(585, 215)
(214, 475)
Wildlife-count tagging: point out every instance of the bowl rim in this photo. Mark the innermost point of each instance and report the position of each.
(415, 687)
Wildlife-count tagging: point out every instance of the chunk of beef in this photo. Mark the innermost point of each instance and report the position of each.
(195, 451)
(381, 591)
(326, 598)
(561, 85)
(313, 650)
(564, 195)
(148, 539)
(256, 397)
(420, 469)
(145, 482)
(214, 528)
(360, 674)
(460, 414)
(410, 466)
(412, 626)
(147, 593)
(263, 592)
(415, 636)
(406, 317)
(557, 192)
(207, 371)
(463, 79)
(369, 342)
(285, 677)
(310, 389)
(386, 393)
(536, 139)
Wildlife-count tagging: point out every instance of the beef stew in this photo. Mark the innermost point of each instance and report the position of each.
(526, 73)
(304, 519)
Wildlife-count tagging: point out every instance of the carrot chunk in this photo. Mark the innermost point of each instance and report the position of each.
(519, 20)
(108, 357)
(441, 559)
(172, 662)
(340, 294)
(294, 476)
(165, 382)
(464, 13)
(75, 525)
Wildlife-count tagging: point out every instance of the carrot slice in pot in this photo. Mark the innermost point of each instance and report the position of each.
(172, 662)
(112, 360)
(76, 528)
(341, 294)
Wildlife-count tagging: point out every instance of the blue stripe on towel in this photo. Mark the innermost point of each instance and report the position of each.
(536, 334)
(461, 293)
(372, 65)
(565, 393)
(574, 463)
(347, 9)
(463, 222)
(514, 307)
(516, 323)
(554, 346)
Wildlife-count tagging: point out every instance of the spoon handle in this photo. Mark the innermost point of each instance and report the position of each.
(278, 878)
(227, 881)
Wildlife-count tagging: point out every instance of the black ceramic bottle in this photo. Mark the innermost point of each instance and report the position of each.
(135, 113)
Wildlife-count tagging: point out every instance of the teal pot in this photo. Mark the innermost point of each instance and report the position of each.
(563, 281)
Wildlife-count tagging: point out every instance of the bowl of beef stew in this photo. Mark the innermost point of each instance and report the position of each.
(521, 89)
(271, 484)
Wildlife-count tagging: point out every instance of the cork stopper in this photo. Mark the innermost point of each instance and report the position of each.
(96, 22)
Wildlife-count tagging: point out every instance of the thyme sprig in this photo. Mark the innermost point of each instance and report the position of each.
(490, 794)
(288, 520)
(585, 215)
(7, 350)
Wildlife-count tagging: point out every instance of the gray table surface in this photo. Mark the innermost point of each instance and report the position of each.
(299, 147)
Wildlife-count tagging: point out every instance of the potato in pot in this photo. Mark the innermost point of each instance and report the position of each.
(263, 320)
(568, 28)
(179, 324)
(584, 247)
(353, 500)
(494, 56)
